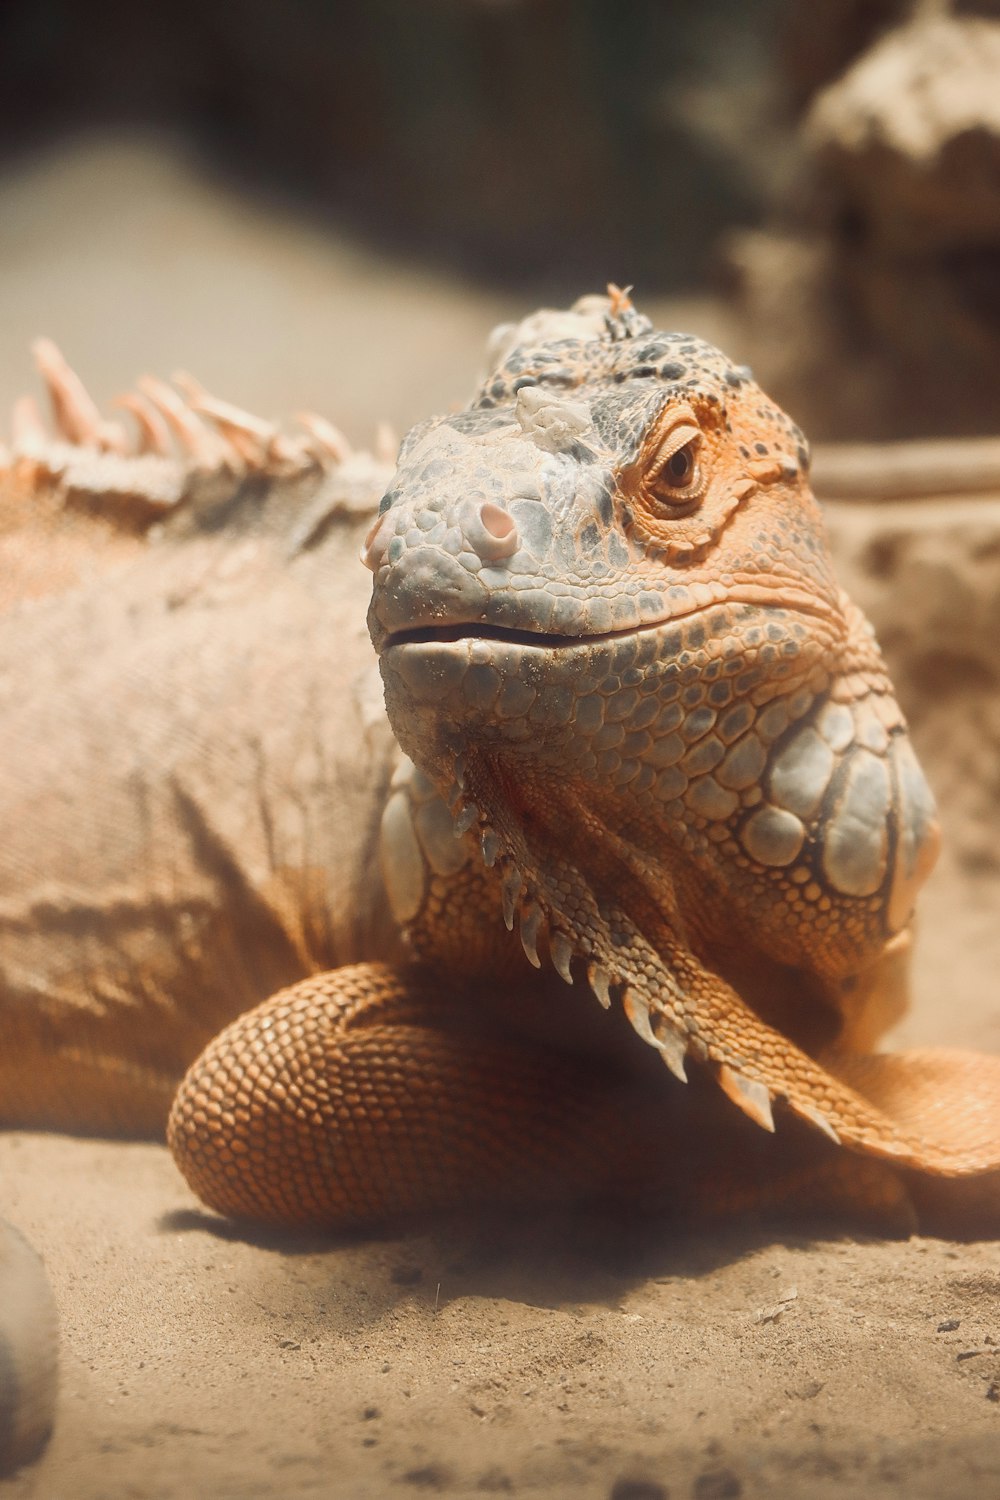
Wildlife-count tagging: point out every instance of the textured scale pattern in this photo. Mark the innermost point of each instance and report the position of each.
(357, 1097)
(646, 729)
(657, 803)
(657, 806)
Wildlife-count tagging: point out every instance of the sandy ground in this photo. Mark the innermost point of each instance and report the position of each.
(554, 1357)
(531, 1359)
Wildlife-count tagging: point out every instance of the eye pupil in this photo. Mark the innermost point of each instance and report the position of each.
(679, 466)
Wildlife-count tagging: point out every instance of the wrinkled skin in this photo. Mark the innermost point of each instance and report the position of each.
(643, 724)
(667, 666)
(615, 653)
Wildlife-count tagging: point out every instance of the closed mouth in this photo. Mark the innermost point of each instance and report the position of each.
(438, 635)
(475, 630)
(424, 635)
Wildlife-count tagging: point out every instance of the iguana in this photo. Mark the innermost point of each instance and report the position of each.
(649, 750)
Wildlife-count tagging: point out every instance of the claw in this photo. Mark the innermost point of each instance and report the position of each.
(531, 920)
(113, 438)
(26, 425)
(561, 953)
(748, 1094)
(673, 1049)
(817, 1118)
(373, 548)
(600, 983)
(386, 444)
(255, 440)
(199, 400)
(465, 818)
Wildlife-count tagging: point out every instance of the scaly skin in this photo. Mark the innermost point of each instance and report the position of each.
(642, 724)
(190, 786)
(189, 790)
(613, 645)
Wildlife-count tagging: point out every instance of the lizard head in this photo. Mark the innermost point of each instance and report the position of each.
(597, 485)
(607, 620)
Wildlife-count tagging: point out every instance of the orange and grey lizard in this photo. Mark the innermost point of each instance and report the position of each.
(643, 726)
(646, 728)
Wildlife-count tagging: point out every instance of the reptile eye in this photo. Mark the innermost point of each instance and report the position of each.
(680, 466)
(674, 477)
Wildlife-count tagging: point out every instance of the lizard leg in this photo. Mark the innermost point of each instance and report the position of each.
(366, 1094)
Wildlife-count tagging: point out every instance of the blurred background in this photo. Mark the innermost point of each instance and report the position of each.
(328, 205)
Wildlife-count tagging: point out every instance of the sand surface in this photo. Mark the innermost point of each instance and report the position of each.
(555, 1357)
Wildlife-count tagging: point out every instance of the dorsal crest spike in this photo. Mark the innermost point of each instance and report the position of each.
(621, 319)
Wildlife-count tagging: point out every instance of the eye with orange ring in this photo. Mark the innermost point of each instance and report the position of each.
(673, 475)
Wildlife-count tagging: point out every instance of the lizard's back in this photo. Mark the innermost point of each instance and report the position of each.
(194, 749)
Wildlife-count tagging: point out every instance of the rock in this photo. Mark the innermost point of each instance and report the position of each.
(873, 304)
(28, 1352)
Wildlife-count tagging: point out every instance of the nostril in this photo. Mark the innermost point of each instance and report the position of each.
(496, 536)
(499, 523)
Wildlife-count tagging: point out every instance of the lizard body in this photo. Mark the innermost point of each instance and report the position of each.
(651, 751)
(232, 773)
(616, 655)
